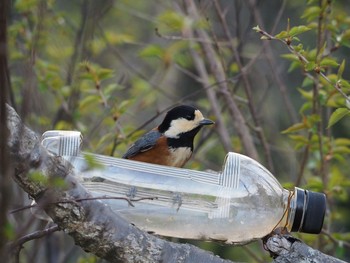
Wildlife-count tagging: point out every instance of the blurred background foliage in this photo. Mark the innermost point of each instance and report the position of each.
(111, 69)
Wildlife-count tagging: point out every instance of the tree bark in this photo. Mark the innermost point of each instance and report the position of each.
(288, 249)
(93, 225)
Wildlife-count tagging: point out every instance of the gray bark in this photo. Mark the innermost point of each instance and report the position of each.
(289, 249)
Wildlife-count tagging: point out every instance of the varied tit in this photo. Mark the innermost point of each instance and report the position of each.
(171, 143)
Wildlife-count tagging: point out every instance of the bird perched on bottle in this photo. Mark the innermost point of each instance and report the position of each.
(171, 143)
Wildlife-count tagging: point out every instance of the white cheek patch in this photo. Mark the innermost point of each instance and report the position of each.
(182, 125)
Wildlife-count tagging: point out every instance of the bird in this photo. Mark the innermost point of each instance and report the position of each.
(171, 142)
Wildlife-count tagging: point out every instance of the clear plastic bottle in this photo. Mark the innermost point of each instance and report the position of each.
(241, 203)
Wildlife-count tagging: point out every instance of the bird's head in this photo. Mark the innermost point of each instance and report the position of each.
(182, 120)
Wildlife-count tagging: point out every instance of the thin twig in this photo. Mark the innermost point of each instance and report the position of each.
(35, 235)
(167, 37)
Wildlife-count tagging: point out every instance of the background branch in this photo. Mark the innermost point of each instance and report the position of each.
(5, 193)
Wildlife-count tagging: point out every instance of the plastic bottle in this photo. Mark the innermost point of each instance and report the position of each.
(241, 203)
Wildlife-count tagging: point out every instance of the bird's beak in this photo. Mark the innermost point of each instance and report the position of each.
(206, 122)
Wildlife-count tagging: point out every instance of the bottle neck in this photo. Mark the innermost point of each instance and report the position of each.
(289, 208)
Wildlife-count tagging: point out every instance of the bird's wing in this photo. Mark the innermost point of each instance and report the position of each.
(146, 142)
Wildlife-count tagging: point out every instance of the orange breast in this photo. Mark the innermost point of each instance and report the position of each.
(159, 154)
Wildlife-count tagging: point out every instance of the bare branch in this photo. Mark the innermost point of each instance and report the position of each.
(289, 249)
(17, 245)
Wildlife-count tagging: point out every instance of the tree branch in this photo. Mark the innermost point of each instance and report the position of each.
(18, 244)
(289, 249)
(5, 193)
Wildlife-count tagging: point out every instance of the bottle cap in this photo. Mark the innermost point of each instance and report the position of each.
(309, 211)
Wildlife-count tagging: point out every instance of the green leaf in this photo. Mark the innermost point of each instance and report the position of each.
(91, 161)
(306, 94)
(104, 73)
(291, 57)
(282, 35)
(297, 30)
(311, 54)
(89, 102)
(234, 68)
(295, 127)
(294, 65)
(39, 178)
(341, 150)
(312, 119)
(310, 66)
(152, 51)
(341, 69)
(299, 138)
(337, 115)
(307, 82)
(171, 21)
(299, 47)
(122, 107)
(311, 13)
(119, 38)
(329, 62)
(110, 88)
(305, 106)
(342, 141)
(344, 84)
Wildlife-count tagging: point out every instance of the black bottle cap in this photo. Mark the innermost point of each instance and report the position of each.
(310, 208)
(314, 212)
(299, 209)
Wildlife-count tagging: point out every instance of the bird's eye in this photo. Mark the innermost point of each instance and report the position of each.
(188, 117)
